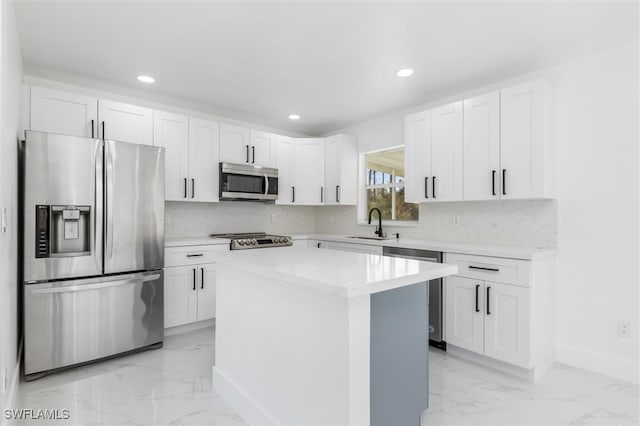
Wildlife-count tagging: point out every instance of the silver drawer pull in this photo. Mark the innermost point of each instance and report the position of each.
(484, 269)
(195, 255)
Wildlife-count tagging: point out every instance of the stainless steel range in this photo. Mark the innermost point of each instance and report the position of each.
(252, 240)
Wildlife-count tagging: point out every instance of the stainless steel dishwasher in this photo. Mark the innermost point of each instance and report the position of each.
(435, 289)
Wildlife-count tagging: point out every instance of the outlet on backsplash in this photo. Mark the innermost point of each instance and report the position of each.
(624, 328)
(456, 219)
(167, 218)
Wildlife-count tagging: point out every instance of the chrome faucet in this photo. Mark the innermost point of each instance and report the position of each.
(379, 232)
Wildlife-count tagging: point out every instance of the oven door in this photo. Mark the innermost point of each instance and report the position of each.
(242, 182)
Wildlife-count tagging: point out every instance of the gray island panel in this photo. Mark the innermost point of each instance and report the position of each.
(399, 356)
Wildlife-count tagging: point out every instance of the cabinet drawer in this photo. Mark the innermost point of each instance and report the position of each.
(192, 255)
(496, 269)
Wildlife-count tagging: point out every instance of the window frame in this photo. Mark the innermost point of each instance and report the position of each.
(362, 191)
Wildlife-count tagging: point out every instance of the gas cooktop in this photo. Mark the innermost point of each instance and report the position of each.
(250, 240)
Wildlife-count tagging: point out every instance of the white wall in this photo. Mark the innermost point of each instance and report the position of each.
(10, 86)
(596, 136)
(597, 185)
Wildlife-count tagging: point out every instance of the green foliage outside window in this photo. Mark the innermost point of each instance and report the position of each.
(384, 185)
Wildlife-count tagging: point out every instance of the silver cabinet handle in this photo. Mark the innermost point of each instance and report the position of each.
(266, 184)
(201, 278)
(337, 193)
(193, 188)
(195, 255)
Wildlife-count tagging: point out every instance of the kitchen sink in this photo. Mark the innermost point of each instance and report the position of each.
(372, 238)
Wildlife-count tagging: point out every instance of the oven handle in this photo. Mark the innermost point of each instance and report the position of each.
(266, 184)
(38, 289)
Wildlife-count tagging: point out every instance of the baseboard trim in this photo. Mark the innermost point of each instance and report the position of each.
(189, 327)
(248, 408)
(12, 391)
(494, 364)
(597, 362)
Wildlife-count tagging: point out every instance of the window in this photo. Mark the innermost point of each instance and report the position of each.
(384, 185)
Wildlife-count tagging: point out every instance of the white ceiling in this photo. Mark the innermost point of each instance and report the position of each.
(333, 63)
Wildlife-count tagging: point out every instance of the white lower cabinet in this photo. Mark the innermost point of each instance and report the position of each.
(189, 294)
(501, 309)
(488, 318)
(190, 284)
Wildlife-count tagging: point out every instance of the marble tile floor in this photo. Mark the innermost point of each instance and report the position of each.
(168, 386)
(172, 386)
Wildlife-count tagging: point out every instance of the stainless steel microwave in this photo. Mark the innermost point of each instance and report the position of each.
(248, 182)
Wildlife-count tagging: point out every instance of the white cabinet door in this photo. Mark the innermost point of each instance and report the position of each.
(522, 133)
(341, 170)
(235, 144)
(263, 146)
(56, 111)
(180, 295)
(171, 131)
(206, 291)
(333, 169)
(284, 164)
(482, 147)
(417, 156)
(446, 152)
(204, 159)
(125, 122)
(464, 314)
(506, 323)
(308, 176)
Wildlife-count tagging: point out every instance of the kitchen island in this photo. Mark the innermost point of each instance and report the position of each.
(322, 337)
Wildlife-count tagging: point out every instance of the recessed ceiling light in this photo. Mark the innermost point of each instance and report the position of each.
(146, 79)
(404, 72)
(294, 117)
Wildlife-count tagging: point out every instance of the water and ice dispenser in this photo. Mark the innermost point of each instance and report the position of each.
(63, 231)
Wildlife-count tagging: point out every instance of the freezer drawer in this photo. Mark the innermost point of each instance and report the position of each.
(76, 321)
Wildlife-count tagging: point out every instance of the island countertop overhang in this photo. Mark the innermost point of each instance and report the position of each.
(344, 274)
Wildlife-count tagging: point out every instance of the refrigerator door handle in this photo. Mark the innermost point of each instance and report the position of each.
(52, 288)
(109, 202)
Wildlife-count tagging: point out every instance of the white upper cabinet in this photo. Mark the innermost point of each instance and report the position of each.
(308, 172)
(235, 144)
(341, 170)
(284, 164)
(61, 112)
(494, 146)
(171, 131)
(482, 147)
(125, 123)
(263, 147)
(446, 152)
(204, 159)
(526, 166)
(417, 146)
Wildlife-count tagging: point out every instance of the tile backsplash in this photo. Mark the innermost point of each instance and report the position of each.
(201, 219)
(524, 223)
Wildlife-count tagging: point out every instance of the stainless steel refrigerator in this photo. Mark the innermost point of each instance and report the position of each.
(93, 249)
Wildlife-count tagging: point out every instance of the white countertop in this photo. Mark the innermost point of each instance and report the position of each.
(524, 253)
(511, 252)
(342, 273)
(194, 241)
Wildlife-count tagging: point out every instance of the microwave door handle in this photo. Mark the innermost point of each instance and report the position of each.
(266, 184)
